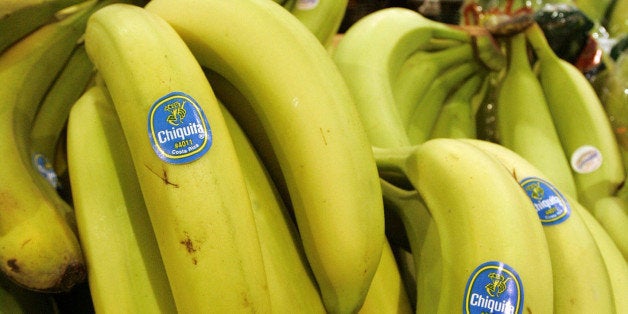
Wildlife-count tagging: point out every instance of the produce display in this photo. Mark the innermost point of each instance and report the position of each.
(313, 156)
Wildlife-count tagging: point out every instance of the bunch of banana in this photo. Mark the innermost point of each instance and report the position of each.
(39, 248)
(483, 248)
(401, 86)
(300, 101)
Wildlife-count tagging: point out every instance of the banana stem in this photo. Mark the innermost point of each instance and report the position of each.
(539, 43)
(518, 51)
(392, 159)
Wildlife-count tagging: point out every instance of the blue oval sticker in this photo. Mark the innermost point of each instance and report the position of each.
(550, 204)
(178, 128)
(493, 287)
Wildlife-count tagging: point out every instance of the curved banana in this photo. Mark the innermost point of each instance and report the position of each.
(17, 300)
(582, 124)
(38, 245)
(456, 118)
(53, 112)
(615, 262)
(18, 18)
(452, 178)
(425, 113)
(524, 122)
(291, 283)
(370, 56)
(612, 213)
(124, 268)
(307, 113)
(187, 167)
(321, 17)
(573, 250)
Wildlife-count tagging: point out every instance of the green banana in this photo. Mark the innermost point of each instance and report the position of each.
(616, 24)
(18, 300)
(425, 113)
(612, 213)
(429, 272)
(586, 136)
(419, 71)
(573, 250)
(452, 179)
(615, 262)
(291, 284)
(524, 122)
(124, 268)
(187, 167)
(38, 245)
(397, 33)
(18, 18)
(321, 17)
(51, 118)
(307, 113)
(457, 116)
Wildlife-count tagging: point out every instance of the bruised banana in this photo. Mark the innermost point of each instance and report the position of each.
(124, 268)
(581, 281)
(18, 18)
(511, 270)
(321, 17)
(291, 284)
(524, 122)
(38, 245)
(397, 33)
(53, 113)
(307, 113)
(185, 161)
(586, 135)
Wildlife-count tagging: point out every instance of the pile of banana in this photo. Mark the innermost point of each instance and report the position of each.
(186, 156)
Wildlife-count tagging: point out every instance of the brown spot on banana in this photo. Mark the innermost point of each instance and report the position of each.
(163, 176)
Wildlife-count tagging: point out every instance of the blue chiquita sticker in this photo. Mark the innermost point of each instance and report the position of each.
(493, 287)
(44, 167)
(550, 204)
(178, 128)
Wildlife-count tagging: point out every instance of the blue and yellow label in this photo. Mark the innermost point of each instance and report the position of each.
(550, 204)
(44, 167)
(493, 287)
(178, 128)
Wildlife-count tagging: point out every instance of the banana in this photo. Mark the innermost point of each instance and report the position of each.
(615, 262)
(18, 18)
(307, 113)
(456, 118)
(124, 268)
(52, 115)
(38, 245)
(185, 161)
(573, 250)
(17, 300)
(612, 213)
(321, 17)
(420, 70)
(397, 33)
(425, 113)
(524, 122)
(616, 20)
(586, 135)
(429, 272)
(451, 178)
(291, 283)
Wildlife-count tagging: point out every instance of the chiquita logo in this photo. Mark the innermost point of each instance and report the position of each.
(178, 128)
(493, 287)
(550, 204)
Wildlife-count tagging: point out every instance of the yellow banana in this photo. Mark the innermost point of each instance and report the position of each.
(368, 71)
(38, 245)
(124, 268)
(291, 284)
(582, 124)
(321, 17)
(612, 213)
(18, 18)
(511, 269)
(524, 122)
(186, 163)
(573, 250)
(53, 113)
(456, 118)
(307, 113)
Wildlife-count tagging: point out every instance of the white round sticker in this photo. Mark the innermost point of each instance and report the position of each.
(307, 4)
(586, 159)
